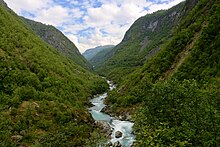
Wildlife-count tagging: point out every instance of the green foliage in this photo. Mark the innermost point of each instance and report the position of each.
(192, 52)
(204, 60)
(141, 42)
(49, 123)
(178, 89)
(42, 92)
(59, 41)
(179, 114)
(100, 57)
(91, 53)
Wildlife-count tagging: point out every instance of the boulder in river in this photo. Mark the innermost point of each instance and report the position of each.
(117, 144)
(118, 134)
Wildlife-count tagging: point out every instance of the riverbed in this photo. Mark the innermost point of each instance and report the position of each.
(125, 127)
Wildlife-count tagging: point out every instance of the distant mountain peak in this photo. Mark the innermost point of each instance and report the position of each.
(90, 53)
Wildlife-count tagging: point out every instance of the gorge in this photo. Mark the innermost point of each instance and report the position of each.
(166, 68)
(124, 128)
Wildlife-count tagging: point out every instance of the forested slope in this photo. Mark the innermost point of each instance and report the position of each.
(55, 38)
(59, 41)
(42, 92)
(142, 41)
(176, 93)
(98, 60)
(90, 53)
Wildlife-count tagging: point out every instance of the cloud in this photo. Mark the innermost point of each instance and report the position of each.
(31, 6)
(56, 15)
(89, 23)
(162, 5)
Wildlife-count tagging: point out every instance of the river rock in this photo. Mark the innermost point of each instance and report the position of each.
(117, 144)
(106, 129)
(118, 134)
(109, 144)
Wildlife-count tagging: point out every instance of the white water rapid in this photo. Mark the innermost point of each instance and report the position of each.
(125, 127)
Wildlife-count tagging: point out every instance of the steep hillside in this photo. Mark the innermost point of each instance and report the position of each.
(90, 53)
(98, 60)
(141, 42)
(54, 37)
(177, 92)
(42, 92)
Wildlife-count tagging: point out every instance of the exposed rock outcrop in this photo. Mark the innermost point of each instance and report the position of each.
(117, 144)
(106, 129)
(118, 134)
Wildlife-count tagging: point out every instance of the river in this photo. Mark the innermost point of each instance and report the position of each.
(127, 138)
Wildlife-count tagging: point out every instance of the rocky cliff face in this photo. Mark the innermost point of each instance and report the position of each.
(144, 40)
(178, 88)
(3, 3)
(141, 41)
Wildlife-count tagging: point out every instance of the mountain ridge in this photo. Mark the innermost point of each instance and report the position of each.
(145, 36)
(167, 71)
(98, 60)
(43, 93)
(55, 38)
(176, 91)
(90, 53)
(58, 40)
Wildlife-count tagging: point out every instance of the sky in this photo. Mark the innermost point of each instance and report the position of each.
(89, 23)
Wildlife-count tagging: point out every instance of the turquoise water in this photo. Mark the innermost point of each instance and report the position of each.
(125, 127)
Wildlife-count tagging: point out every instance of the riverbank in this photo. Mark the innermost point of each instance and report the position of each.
(120, 131)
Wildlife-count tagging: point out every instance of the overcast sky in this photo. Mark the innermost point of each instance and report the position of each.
(89, 23)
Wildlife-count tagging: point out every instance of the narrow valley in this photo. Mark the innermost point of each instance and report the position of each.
(163, 55)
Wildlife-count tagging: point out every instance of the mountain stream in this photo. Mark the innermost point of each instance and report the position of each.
(127, 138)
